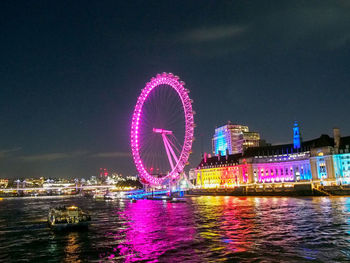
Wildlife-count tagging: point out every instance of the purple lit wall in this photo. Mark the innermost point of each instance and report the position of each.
(282, 171)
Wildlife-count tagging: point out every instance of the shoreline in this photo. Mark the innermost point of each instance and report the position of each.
(295, 191)
(37, 197)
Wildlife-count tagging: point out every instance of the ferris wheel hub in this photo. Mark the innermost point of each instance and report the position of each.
(162, 131)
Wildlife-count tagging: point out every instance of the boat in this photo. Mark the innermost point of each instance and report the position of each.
(110, 196)
(68, 217)
(99, 196)
(159, 197)
(175, 200)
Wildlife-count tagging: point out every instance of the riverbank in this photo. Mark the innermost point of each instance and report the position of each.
(270, 190)
(38, 197)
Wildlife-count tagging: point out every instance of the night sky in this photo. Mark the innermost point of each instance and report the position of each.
(71, 72)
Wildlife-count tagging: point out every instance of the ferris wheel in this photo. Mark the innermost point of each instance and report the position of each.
(162, 130)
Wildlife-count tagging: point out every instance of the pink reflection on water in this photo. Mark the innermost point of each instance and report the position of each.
(237, 224)
(233, 224)
(156, 227)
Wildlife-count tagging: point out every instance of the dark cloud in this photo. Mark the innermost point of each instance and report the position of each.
(214, 33)
(51, 156)
(112, 155)
(9, 152)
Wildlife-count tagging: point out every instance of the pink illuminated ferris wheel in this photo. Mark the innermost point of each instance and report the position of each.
(162, 130)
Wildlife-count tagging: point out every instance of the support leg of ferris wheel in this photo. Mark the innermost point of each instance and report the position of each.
(188, 181)
(170, 154)
(166, 141)
(169, 150)
(168, 146)
(176, 160)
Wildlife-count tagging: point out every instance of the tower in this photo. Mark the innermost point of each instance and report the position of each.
(336, 134)
(296, 136)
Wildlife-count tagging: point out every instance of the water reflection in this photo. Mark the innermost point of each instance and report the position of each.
(225, 222)
(205, 229)
(237, 225)
(154, 228)
(72, 248)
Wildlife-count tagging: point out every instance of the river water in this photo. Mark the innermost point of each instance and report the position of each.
(204, 229)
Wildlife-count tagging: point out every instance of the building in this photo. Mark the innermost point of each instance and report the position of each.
(221, 171)
(283, 163)
(233, 138)
(324, 161)
(338, 164)
(34, 182)
(4, 183)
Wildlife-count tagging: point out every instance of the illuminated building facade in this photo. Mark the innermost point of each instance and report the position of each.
(220, 171)
(251, 139)
(324, 161)
(103, 173)
(322, 164)
(281, 168)
(340, 169)
(4, 183)
(34, 182)
(232, 139)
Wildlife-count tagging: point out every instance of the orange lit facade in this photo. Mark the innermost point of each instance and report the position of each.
(222, 172)
(4, 183)
(224, 176)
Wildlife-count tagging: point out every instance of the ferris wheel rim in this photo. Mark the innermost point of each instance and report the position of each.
(176, 84)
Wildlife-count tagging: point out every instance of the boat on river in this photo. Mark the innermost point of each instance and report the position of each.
(175, 200)
(99, 196)
(68, 217)
(159, 197)
(110, 196)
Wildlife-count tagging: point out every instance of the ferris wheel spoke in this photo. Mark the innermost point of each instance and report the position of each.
(175, 116)
(172, 152)
(152, 159)
(168, 151)
(173, 144)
